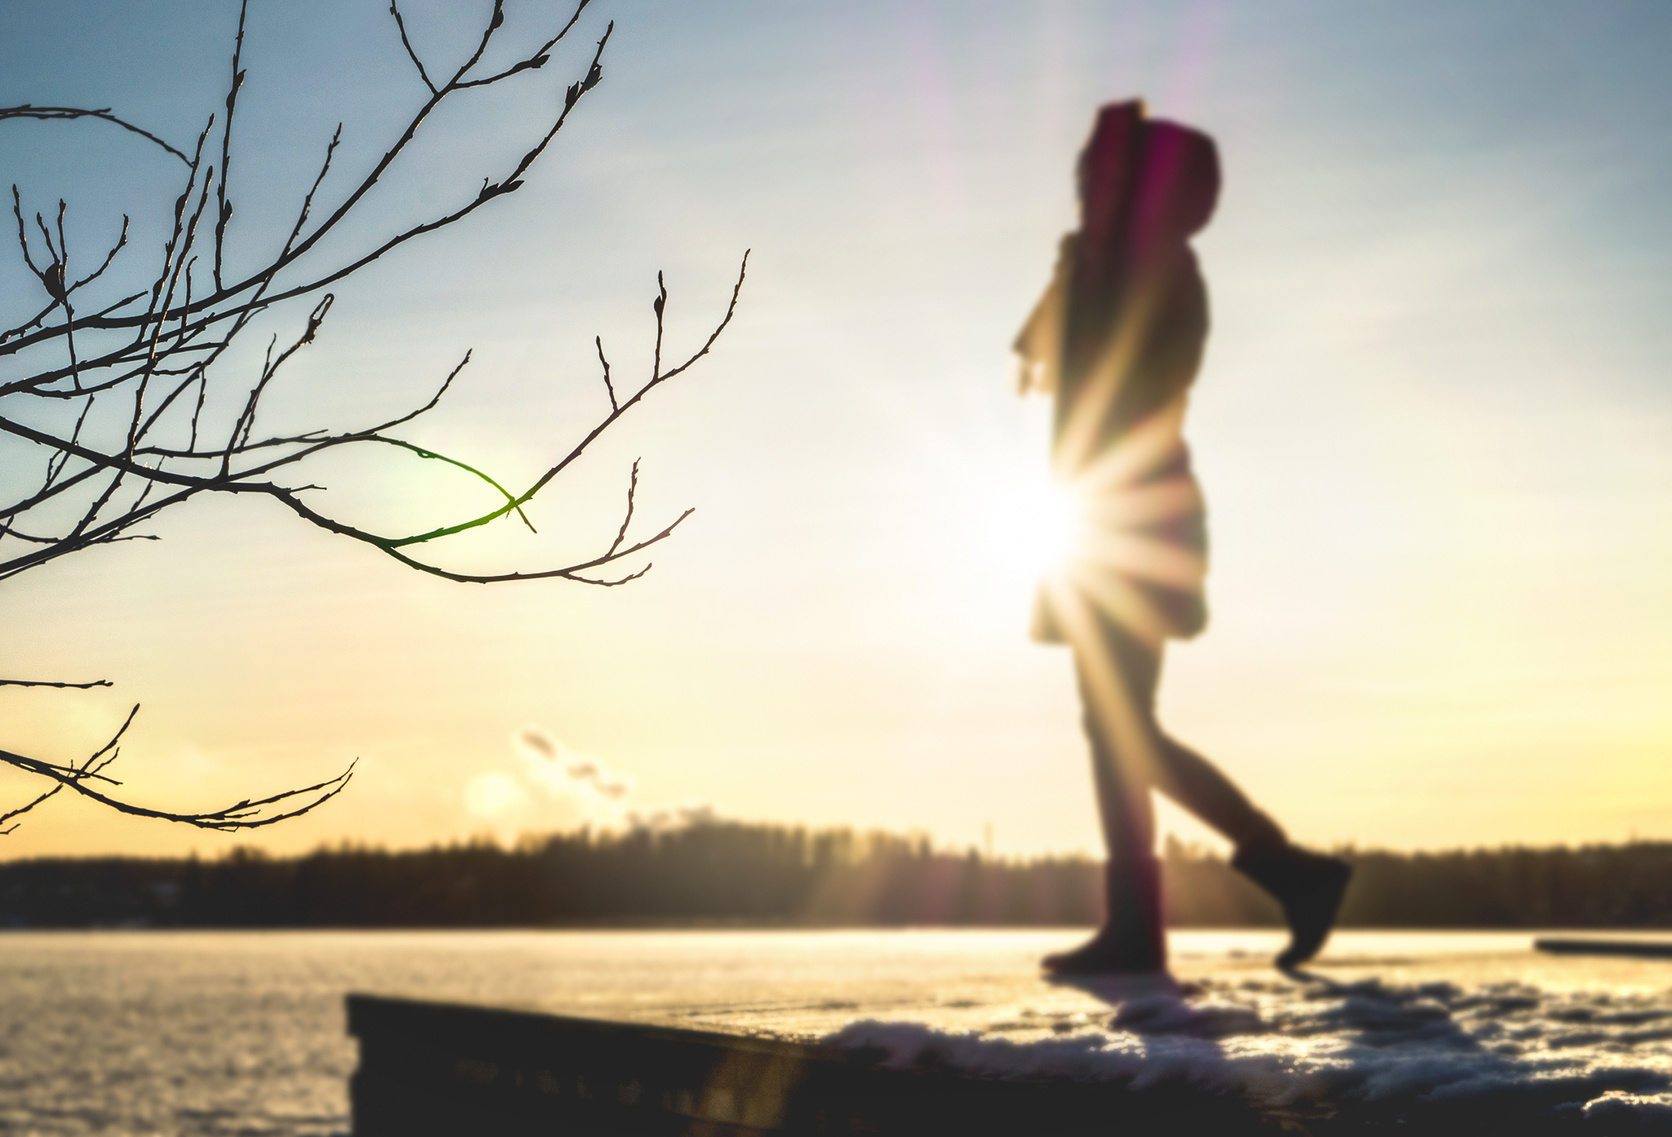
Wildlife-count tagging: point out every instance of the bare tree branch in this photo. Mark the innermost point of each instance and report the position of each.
(243, 814)
(28, 111)
(125, 406)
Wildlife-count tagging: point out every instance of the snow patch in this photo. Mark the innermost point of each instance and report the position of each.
(1599, 1061)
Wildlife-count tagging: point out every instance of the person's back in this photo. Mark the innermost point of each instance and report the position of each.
(1136, 315)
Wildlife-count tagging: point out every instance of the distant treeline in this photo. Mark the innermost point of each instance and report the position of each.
(731, 872)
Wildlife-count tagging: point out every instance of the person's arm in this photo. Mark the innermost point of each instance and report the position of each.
(1039, 343)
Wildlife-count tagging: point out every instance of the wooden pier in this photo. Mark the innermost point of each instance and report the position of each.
(1591, 945)
(434, 1069)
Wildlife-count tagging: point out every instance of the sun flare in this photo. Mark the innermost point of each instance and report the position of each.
(1033, 527)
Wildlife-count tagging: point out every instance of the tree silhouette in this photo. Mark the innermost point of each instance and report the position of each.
(120, 406)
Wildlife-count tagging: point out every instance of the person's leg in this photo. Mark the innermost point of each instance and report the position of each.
(1121, 775)
(1308, 885)
(1197, 785)
(1116, 688)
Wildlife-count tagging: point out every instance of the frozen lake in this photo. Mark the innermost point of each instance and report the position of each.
(243, 1032)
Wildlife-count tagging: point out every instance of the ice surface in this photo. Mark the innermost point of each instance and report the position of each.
(223, 1033)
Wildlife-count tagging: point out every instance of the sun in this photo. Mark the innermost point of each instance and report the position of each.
(1032, 527)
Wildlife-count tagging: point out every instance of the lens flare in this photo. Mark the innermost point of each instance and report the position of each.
(1033, 528)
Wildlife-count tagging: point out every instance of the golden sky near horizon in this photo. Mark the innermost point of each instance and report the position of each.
(1433, 427)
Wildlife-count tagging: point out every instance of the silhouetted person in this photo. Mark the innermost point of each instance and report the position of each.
(1118, 339)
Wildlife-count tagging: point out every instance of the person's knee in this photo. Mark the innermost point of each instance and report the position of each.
(1093, 726)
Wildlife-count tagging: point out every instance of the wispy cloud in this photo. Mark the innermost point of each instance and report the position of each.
(545, 787)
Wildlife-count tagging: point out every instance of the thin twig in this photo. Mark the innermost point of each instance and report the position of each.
(608, 386)
(627, 517)
(28, 111)
(223, 206)
(51, 683)
(411, 54)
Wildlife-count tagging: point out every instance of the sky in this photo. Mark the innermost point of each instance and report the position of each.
(1432, 426)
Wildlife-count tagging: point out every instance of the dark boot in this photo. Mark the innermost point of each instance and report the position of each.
(1132, 938)
(1309, 886)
